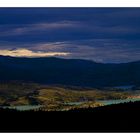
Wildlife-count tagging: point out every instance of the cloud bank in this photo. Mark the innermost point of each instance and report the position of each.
(109, 35)
(99, 50)
(29, 53)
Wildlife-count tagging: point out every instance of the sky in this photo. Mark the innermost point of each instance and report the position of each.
(105, 35)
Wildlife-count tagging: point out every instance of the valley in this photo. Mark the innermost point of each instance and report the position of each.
(32, 96)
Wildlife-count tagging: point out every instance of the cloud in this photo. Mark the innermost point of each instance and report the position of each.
(99, 50)
(36, 27)
(98, 34)
(69, 29)
(29, 53)
(65, 24)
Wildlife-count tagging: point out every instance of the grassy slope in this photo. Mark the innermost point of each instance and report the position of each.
(54, 97)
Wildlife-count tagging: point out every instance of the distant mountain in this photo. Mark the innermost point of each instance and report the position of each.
(69, 72)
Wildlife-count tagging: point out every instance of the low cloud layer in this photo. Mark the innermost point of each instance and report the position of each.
(29, 53)
(99, 50)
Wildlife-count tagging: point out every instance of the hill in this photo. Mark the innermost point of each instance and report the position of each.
(52, 98)
(112, 118)
(72, 72)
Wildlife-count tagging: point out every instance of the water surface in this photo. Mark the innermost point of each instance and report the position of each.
(23, 107)
(109, 102)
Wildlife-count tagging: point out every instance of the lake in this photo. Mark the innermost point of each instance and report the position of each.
(109, 102)
(23, 107)
(104, 102)
(75, 103)
(125, 87)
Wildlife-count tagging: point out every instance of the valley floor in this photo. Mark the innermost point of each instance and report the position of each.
(32, 96)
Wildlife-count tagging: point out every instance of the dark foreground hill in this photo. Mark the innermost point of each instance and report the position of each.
(69, 72)
(114, 118)
(131, 107)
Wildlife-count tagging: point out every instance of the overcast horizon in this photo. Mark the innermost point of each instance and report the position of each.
(106, 35)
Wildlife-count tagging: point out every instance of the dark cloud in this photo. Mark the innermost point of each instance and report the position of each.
(99, 34)
(99, 50)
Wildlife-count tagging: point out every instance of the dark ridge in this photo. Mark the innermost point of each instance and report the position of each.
(113, 118)
(69, 72)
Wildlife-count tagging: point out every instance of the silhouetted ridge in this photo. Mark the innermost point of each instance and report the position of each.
(73, 72)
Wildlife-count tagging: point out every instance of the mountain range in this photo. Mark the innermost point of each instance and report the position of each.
(72, 72)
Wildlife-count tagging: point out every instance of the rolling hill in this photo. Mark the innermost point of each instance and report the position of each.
(71, 72)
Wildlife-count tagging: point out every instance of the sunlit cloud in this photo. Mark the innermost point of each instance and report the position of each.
(29, 53)
(98, 50)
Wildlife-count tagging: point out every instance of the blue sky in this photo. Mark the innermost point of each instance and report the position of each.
(108, 35)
